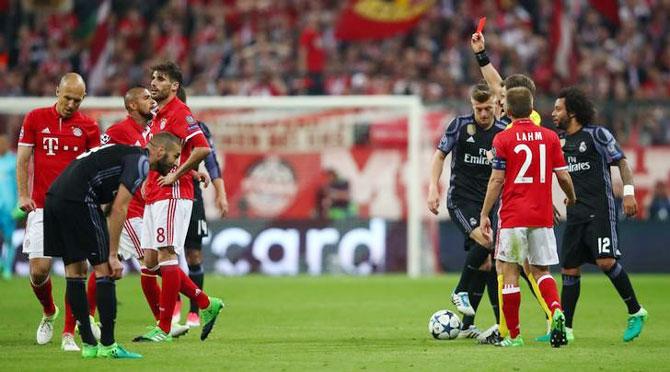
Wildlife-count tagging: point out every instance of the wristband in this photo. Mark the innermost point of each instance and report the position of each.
(482, 58)
(628, 190)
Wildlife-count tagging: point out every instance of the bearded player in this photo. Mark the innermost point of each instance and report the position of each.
(590, 151)
(169, 201)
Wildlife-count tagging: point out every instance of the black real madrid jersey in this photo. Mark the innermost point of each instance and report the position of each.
(94, 177)
(470, 167)
(589, 154)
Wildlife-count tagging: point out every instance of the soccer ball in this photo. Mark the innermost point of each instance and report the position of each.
(444, 325)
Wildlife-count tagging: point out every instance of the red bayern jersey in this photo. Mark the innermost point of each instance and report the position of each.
(56, 141)
(175, 117)
(528, 154)
(129, 132)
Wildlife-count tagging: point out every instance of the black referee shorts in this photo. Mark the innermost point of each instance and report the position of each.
(75, 231)
(197, 227)
(588, 241)
(465, 215)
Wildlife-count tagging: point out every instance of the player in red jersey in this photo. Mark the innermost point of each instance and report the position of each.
(524, 157)
(134, 131)
(51, 137)
(169, 200)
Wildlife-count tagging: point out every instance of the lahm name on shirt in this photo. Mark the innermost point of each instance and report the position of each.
(482, 159)
(530, 136)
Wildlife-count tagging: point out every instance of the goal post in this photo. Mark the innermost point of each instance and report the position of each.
(408, 109)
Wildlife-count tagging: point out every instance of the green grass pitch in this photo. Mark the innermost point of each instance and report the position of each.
(347, 324)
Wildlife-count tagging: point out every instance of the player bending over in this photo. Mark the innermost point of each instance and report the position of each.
(524, 158)
(75, 227)
(133, 131)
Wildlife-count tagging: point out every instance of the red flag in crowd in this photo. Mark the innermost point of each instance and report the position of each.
(378, 19)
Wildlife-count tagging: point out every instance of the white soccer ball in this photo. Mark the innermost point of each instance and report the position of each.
(444, 325)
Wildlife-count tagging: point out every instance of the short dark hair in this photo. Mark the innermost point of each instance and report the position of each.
(578, 104)
(170, 69)
(480, 93)
(520, 80)
(181, 93)
(519, 102)
(164, 139)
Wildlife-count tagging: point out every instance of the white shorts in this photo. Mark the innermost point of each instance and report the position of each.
(130, 244)
(33, 241)
(165, 224)
(537, 244)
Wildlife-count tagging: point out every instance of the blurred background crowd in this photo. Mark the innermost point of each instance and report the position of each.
(290, 47)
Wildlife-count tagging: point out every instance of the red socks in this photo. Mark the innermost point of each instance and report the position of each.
(190, 290)
(171, 276)
(44, 296)
(151, 290)
(549, 292)
(70, 322)
(90, 294)
(511, 301)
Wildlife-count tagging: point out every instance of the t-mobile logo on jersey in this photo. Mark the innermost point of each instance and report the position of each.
(50, 144)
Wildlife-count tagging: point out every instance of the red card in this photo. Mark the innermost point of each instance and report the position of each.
(480, 26)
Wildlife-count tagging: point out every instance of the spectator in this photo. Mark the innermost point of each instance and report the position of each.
(659, 208)
(285, 47)
(312, 55)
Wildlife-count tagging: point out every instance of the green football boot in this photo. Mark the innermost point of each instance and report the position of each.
(209, 315)
(635, 324)
(116, 351)
(511, 342)
(156, 334)
(89, 351)
(558, 335)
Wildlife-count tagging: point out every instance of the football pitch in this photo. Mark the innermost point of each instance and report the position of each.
(347, 324)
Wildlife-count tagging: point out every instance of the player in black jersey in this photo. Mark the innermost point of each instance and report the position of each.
(468, 139)
(75, 227)
(591, 234)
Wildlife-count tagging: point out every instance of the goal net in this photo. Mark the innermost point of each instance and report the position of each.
(315, 184)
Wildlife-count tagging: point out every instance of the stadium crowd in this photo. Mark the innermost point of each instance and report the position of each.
(252, 47)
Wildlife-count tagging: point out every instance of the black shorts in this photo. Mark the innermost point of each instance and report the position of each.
(465, 215)
(75, 231)
(197, 227)
(585, 242)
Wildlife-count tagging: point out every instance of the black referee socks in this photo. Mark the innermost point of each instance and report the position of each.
(197, 275)
(106, 297)
(622, 283)
(569, 296)
(75, 293)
